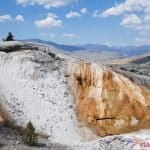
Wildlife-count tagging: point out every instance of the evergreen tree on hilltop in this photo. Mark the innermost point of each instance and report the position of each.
(10, 37)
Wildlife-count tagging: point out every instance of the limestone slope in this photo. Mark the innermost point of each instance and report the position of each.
(33, 87)
(63, 96)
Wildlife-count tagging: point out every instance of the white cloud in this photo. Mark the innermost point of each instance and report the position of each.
(72, 14)
(143, 27)
(69, 35)
(83, 10)
(5, 18)
(48, 35)
(127, 6)
(19, 18)
(140, 24)
(50, 21)
(46, 3)
(136, 15)
(96, 13)
(147, 18)
(142, 40)
(75, 14)
(131, 20)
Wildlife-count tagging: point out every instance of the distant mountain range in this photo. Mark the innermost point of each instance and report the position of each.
(120, 51)
(59, 46)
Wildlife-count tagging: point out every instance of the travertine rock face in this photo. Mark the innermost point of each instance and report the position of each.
(3, 118)
(108, 102)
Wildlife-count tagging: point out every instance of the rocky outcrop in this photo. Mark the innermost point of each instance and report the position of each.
(108, 102)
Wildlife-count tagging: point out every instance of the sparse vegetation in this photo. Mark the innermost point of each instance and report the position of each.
(133, 70)
(29, 137)
(139, 69)
(123, 68)
(8, 49)
(138, 73)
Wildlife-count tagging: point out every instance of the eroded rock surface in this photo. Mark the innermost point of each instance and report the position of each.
(108, 102)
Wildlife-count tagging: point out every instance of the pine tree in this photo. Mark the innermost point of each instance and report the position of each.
(10, 37)
(29, 136)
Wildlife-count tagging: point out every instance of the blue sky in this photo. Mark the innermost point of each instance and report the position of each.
(110, 22)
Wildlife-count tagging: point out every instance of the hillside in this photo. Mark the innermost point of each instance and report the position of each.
(96, 52)
(75, 103)
(137, 68)
(137, 59)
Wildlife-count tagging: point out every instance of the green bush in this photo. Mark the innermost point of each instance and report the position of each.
(29, 136)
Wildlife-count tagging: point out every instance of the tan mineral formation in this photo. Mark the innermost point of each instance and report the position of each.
(108, 102)
(3, 116)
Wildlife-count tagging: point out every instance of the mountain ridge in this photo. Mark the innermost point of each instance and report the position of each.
(122, 51)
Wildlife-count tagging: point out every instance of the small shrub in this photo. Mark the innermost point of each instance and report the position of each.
(122, 68)
(132, 70)
(52, 55)
(29, 136)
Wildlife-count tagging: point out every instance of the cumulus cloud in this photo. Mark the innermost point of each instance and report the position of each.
(50, 21)
(127, 6)
(69, 35)
(46, 3)
(5, 18)
(83, 10)
(75, 14)
(19, 18)
(72, 14)
(139, 23)
(131, 20)
(136, 15)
